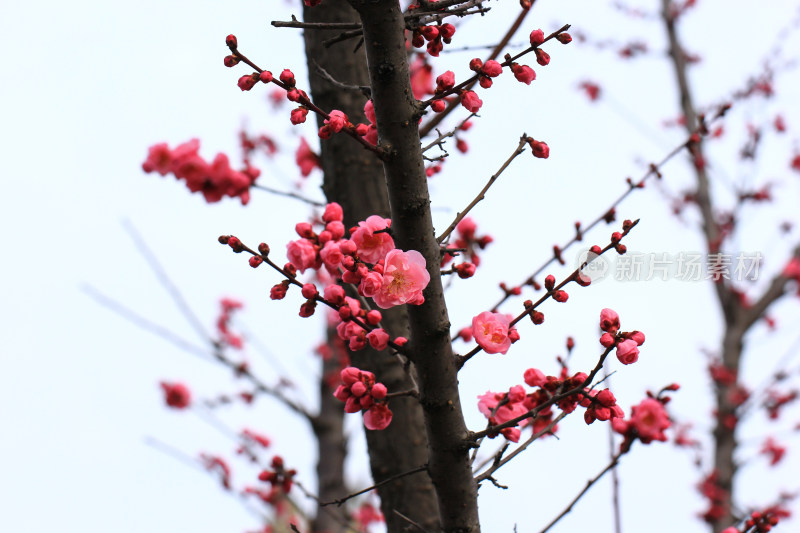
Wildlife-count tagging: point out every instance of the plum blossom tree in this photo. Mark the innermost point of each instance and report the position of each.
(372, 258)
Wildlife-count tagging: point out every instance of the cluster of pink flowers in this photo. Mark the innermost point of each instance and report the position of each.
(436, 36)
(501, 407)
(368, 259)
(215, 179)
(176, 395)
(360, 392)
(761, 521)
(279, 477)
(627, 343)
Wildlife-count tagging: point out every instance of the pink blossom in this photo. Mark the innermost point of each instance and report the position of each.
(159, 159)
(333, 212)
(471, 101)
(176, 395)
(370, 284)
(535, 377)
(404, 279)
(378, 339)
(377, 417)
(337, 120)
(773, 450)
(371, 246)
(305, 158)
(302, 254)
(298, 115)
(331, 255)
(445, 81)
(492, 68)
(609, 321)
(421, 79)
(537, 37)
(523, 73)
(334, 294)
(650, 420)
(627, 352)
(491, 332)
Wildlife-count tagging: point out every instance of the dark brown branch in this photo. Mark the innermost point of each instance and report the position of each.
(429, 347)
(499, 463)
(776, 289)
(481, 195)
(340, 501)
(614, 462)
(288, 194)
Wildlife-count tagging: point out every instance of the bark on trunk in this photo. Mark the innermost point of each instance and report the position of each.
(397, 117)
(354, 178)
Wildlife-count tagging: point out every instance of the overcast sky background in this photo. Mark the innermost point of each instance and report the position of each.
(89, 85)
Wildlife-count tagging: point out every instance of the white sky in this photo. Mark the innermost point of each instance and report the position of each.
(88, 86)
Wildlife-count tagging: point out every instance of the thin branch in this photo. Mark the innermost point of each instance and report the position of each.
(481, 195)
(519, 449)
(164, 279)
(611, 465)
(288, 194)
(443, 136)
(144, 323)
(407, 519)
(363, 89)
(776, 289)
(340, 501)
(294, 23)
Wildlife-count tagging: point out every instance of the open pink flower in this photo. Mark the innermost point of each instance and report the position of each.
(371, 246)
(404, 279)
(650, 420)
(491, 332)
(377, 417)
(302, 254)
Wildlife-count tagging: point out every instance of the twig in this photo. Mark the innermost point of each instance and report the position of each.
(407, 519)
(144, 323)
(294, 23)
(520, 148)
(611, 465)
(340, 501)
(164, 279)
(443, 136)
(519, 449)
(288, 194)
(363, 89)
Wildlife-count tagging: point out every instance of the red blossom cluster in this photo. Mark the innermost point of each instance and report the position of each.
(360, 392)
(215, 179)
(627, 343)
(279, 477)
